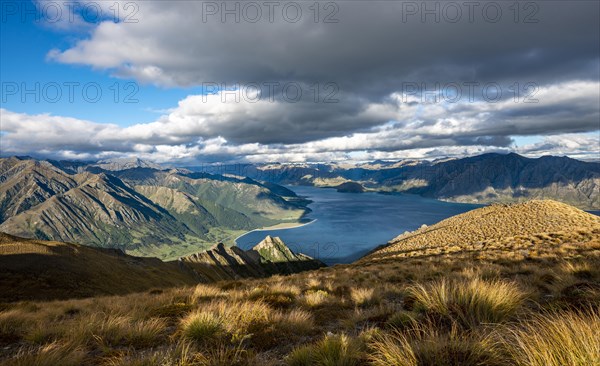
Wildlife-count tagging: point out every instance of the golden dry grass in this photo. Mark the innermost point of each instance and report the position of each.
(468, 302)
(555, 339)
(492, 226)
(488, 306)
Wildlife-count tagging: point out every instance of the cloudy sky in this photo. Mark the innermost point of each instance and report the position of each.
(192, 81)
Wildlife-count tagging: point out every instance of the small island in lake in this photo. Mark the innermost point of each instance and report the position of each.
(350, 187)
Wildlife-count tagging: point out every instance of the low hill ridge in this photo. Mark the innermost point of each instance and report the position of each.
(37, 269)
(495, 222)
(44, 270)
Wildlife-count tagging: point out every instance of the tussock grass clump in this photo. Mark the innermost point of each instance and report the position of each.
(41, 334)
(402, 320)
(253, 324)
(202, 326)
(425, 346)
(313, 298)
(365, 317)
(364, 296)
(206, 292)
(581, 271)
(49, 355)
(469, 302)
(238, 316)
(278, 298)
(333, 350)
(297, 322)
(558, 339)
(13, 325)
(392, 350)
(175, 310)
(123, 331)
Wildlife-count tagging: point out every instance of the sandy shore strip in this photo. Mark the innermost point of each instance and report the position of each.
(281, 226)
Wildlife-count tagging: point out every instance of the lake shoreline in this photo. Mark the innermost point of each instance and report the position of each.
(350, 225)
(281, 226)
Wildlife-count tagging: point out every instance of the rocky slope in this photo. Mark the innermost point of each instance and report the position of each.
(270, 256)
(27, 183)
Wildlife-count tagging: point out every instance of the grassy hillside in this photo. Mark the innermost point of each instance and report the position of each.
(479, 300)
(43, 269)
(519, 230)
(49, 270)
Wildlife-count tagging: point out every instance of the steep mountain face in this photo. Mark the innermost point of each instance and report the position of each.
(100, 211)
(270, 256)
(27, 183)
(245, 196)
(514, 230)
(141, 210)
(486, 178)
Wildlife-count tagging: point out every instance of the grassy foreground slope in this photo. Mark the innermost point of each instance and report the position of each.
(48, 270)
(35, 269)
(513, 285)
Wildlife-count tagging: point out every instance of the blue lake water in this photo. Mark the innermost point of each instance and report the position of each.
(348, 225)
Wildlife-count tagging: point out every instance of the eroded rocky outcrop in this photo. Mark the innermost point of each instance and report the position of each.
(270, 256)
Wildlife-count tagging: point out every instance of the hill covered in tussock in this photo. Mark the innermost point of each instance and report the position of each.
(499, 226)
(37, 269)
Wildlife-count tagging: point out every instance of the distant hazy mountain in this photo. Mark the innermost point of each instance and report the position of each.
(485, 178)
(125, 163)
(145, 211)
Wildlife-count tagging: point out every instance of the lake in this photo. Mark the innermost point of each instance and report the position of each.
(348, 225)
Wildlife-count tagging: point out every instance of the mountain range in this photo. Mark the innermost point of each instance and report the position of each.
(146, 209)
(139, 209)
(486, 178)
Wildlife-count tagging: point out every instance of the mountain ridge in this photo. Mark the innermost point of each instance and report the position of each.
(33, 269)
(164, 213)
(489, 226)
(270, 256)
(486, 178)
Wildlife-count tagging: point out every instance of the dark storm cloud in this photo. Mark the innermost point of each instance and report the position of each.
(376, 54)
